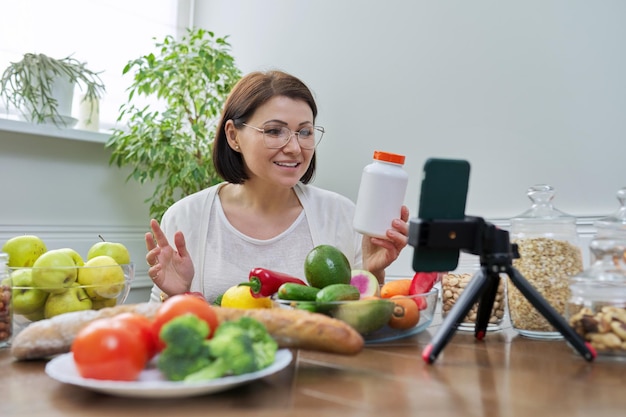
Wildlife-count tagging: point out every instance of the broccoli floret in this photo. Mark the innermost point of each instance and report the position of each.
(264, 345)
(238, 347)
(233, 353)
(186, 350)
(184, 332)
(178, 367)
(217, 369)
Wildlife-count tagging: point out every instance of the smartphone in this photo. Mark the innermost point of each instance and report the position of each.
(443, 196)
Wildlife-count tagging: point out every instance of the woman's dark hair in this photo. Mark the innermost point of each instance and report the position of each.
(251, 92)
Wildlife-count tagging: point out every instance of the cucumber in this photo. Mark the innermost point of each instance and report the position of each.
(338, 292)
(296, 292)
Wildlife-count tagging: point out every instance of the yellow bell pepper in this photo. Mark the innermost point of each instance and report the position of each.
(241, 297)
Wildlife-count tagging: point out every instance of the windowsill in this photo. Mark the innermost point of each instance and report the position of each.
(50, 130)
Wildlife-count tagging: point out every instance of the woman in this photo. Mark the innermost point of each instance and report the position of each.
(265, 214)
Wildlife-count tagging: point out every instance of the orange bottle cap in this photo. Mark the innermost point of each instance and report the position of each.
(389, 157)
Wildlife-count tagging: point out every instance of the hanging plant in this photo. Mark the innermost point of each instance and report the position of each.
(30, 85)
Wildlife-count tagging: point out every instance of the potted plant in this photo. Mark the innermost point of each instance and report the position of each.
(41, 88)
(189, 79)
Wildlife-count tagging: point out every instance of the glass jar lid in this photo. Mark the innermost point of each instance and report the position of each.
(542, 208)
(615, 222)
(609, 266)
(542, 218)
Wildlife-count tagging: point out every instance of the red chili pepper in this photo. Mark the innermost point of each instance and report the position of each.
(422, 283)
(264, 283)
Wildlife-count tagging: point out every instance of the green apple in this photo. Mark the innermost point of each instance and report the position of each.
(26, 298)
(74, 299)
(109, 302)
(36, 315)
(117, 251)
(102, 277)
(78, 260)
(54, 271)
(23, 250)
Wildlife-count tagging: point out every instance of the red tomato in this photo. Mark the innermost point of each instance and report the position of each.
(105, 349)
(183, 304)
(140, 325)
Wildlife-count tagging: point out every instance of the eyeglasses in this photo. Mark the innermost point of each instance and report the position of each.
(276, 136)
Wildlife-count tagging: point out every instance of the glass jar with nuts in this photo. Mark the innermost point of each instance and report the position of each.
(597, 307)
(453, 284)
(550, 254)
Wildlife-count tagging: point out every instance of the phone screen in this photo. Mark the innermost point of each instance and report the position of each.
(443, 195)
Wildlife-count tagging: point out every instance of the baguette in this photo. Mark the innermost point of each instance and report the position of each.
(300, 329)
(49, 337)
(294, 329)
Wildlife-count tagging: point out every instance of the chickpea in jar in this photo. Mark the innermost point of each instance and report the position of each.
(452, 285)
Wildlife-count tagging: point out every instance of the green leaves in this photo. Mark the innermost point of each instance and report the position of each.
(190, 79)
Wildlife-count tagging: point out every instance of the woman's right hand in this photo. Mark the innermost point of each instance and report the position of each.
(171, 269)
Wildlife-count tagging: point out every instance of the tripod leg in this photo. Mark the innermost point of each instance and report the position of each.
(461, 307)
(485, 305)
(555, 319)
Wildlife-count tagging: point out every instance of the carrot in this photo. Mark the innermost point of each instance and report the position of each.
(405, 315)
(395, 287)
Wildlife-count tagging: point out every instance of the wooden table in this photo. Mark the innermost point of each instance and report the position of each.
(504, 375)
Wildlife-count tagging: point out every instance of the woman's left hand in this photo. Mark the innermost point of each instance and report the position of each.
(378, 253)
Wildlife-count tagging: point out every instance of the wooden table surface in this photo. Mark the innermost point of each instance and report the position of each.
(503, 375)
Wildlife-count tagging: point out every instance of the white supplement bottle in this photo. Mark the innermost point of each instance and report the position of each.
(381, 194)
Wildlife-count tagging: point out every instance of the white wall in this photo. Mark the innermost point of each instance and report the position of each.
(64, 191)
(529, 92)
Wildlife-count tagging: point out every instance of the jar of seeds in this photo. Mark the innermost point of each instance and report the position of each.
(6, 318)
(550, 255)
(453, 284)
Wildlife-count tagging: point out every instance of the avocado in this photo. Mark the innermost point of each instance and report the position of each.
(365, 316)
(325, 265)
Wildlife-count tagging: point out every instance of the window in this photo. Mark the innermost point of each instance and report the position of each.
(105, 34)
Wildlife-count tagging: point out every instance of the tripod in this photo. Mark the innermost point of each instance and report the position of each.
(474, 235)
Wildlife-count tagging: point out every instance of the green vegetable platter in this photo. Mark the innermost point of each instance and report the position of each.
(151, 382)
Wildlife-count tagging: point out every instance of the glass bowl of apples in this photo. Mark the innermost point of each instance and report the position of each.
(60, 282)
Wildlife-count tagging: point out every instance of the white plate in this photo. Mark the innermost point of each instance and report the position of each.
(151, 384)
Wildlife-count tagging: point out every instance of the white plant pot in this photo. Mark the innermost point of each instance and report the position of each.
(63, 91)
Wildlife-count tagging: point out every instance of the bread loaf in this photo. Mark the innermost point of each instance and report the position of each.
(55, 335)
(296, 329)
(301, 329)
